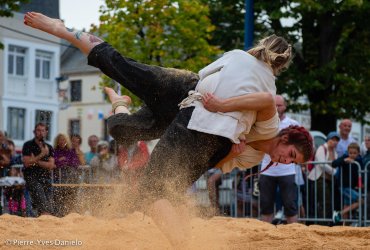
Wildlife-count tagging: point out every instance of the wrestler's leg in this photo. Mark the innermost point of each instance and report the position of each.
(128, 128)
(180, 158)
(160, 88)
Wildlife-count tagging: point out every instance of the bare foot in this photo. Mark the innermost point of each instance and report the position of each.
(44, 23)
(114, 97)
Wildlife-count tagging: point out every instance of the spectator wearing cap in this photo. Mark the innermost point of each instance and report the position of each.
(323, 174)
(105, 164)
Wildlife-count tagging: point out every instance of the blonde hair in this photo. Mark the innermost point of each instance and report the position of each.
(68, 141)
(275, 51)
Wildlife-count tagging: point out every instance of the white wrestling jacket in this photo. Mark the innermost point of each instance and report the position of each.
(235, 73)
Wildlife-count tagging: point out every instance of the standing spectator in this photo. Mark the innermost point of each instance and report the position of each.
(132, 160)
(93, 144)
(345, 128)
(104, 165)
(38, 159)
(349, 180)
(76, 141)
(281, 176)
(66, 160)
(366, 160)
(366, 157)
(15, 158)
(4, 154)
(323, 174)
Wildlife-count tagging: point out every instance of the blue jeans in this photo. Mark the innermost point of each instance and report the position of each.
(350, 196)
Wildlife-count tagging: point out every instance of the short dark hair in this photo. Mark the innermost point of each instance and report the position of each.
(41, 124)
(354, 145)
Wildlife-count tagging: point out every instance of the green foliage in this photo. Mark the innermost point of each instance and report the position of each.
(331, 64)
(228, 17)
(167, 33)
(7, 7)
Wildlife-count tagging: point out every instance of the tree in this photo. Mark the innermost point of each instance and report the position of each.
(331, 41)
(170, 33)
(7, 7)
(331, 65)
(228, 17)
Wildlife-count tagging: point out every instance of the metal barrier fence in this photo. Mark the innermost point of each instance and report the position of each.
(366, 174)
(239, 197)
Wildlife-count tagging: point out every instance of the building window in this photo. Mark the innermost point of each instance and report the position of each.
(16, 123)
(74, 127)
(45, 117)
(43, 62)
(16, 60)
(76, 90)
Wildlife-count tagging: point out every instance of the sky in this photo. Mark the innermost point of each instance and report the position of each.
(80, 14)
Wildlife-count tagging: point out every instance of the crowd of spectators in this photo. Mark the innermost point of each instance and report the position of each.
(324, 190)
(328, 190)
(42, 179)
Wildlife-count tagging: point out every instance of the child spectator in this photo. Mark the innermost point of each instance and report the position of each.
(15, 158)
(16, 194)
(349, 180)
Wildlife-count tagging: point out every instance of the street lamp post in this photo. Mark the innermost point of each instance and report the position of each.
(248, 24)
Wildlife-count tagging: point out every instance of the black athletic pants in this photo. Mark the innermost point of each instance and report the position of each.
(182, 155)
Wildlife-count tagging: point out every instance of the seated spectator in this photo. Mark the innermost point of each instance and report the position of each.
(323, 174)
(104, 165)
(132, 160)
(349, 179)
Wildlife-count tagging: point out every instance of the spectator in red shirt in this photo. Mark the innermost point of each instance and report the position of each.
(132, 160)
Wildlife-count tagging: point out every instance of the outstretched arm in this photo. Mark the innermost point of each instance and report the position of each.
(262, 102)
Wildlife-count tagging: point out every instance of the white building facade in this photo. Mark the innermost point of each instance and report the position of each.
(29, 65)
